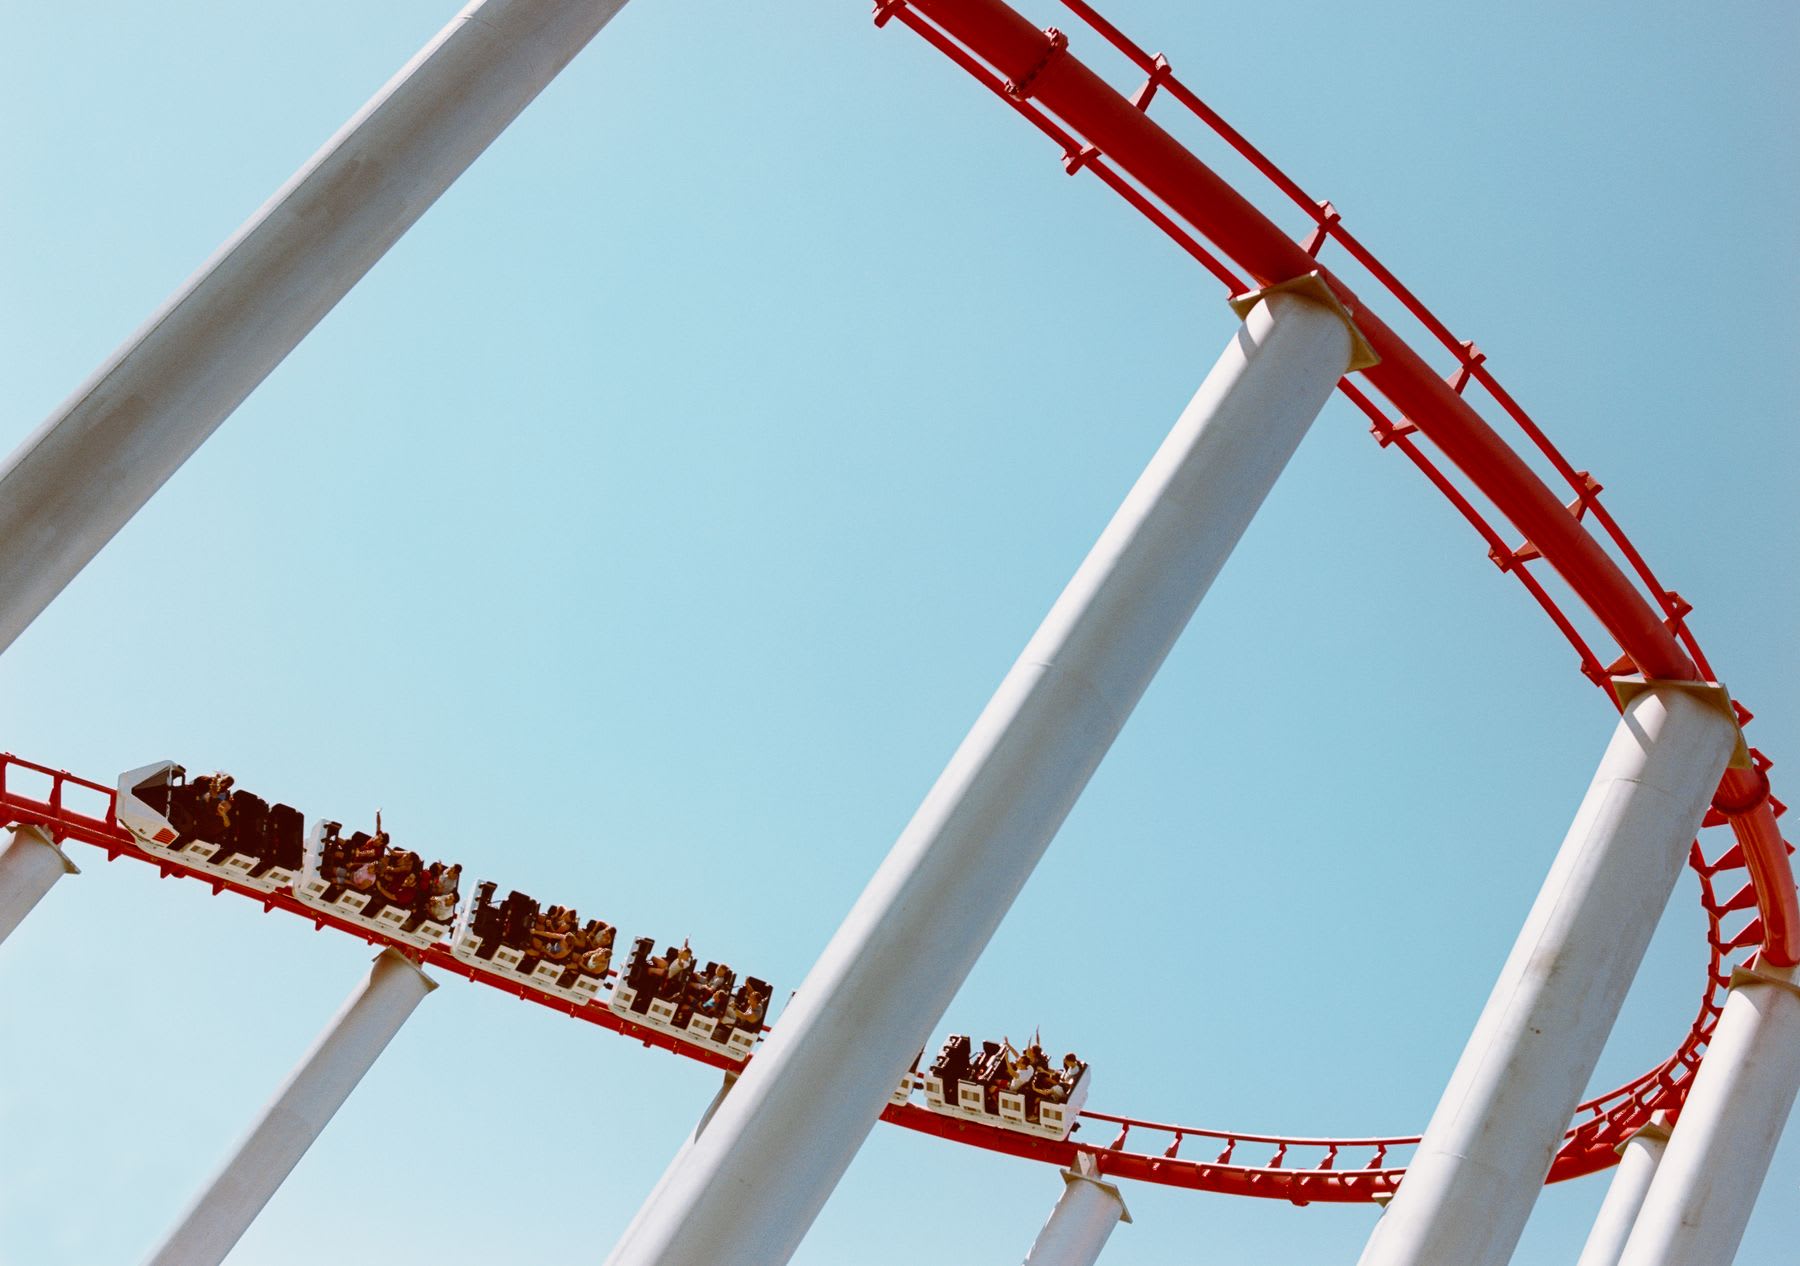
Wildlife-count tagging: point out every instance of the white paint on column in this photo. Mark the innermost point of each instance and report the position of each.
(30, 865)
(1638, 1157)
(752, 1184)
(298, 1114)
(93, 463)
(1701, 1198)
(687, 1144)
(1484, 1156)
(1081, 1222)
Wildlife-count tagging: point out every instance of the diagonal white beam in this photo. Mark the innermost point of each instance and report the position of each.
(1082, 1221)
(298, 1114)
(750, 1186)
(1489, 1146)
(30, 865)
(1638, 1158)
(68, 489)
(1700, 1200)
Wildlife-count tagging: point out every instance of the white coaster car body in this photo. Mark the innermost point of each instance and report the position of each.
(968, 1099)
(367, 908)
(144, 806)
(477, 941)
(709, 1032)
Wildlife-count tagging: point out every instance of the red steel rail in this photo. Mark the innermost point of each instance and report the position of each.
(1301, 1170)
(1746, 890)
(1111, 134)
(1103, 131)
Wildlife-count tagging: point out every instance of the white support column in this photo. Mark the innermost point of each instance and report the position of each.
(1706, 1186)
(29, 867)
(718, 1098)
(1488, 1148)
(687, 1144)
(94, 463)
(1638, 1158)
(1082, 1220)
(298, 1113)
(753, 1183)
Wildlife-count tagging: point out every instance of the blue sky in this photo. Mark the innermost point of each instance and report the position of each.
(648, 527)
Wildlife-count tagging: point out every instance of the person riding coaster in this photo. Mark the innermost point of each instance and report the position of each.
(549, 945)
(211, 825)
(398, 892)
(1017, 1089)
(700, 1004)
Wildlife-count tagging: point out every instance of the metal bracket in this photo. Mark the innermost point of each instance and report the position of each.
(1313, 286)
(1711, 693)
(393, 953)
(1086, 1169)
(1160, 73)
(1744, 977)
(1656, 1129)
(44, 836)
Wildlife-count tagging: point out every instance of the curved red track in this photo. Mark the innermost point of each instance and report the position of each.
(1746, 886)
(1409, 405)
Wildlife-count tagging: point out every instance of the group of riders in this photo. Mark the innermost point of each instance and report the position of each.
(1029, 1073)
(236, 823)
(673, 977)
(1001, 1067)
(387, 876)
(555, 935)
(212, 809)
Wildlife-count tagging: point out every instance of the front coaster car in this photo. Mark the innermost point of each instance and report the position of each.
(211, 827)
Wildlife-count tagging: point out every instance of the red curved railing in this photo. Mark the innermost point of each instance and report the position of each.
(1301, 1170)
(1110, 135)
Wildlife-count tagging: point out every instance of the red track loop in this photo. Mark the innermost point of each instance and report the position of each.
(1093, 123)
(1101, 130)
(1747, 890)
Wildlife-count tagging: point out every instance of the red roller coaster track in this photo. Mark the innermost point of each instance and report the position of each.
(1746, 888)
(1111, 134)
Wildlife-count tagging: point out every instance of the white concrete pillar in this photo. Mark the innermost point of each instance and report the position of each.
(753, 1183)
(687, 1144)
(94, 462)
(1488, 1147)
(1638, 1157)
(1700, 1200)
(718, 1098)
(1081, 1222)
(298, 1113)
(30, 865)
